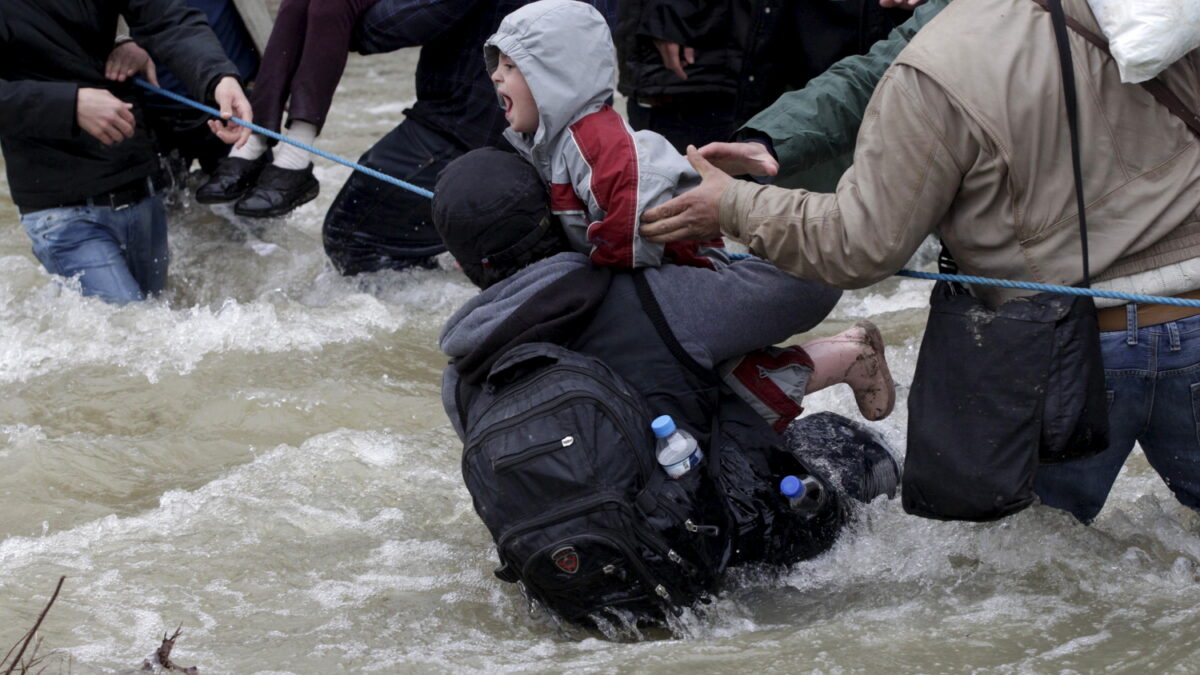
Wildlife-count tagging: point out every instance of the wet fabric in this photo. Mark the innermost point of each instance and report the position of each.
(994, 394)
(1152, 382)
(373, 225)
(119, 255)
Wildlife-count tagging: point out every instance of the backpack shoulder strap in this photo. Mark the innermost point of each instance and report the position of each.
(654, 311)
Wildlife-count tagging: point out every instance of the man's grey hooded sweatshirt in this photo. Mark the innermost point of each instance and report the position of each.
(602, 175)
(761, 306)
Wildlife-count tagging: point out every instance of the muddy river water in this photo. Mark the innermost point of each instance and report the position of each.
(260, 457)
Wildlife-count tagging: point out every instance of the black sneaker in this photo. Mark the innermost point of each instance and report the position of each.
(278, 191)
(231, 179)
(849, 454)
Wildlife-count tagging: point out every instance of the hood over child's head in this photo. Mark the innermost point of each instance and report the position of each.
(493, 213)
(565, 52)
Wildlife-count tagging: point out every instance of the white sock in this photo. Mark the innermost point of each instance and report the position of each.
(252, 150)
(288, 156)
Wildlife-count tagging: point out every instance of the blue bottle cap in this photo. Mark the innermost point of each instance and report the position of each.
(791, 487)
(663, 426)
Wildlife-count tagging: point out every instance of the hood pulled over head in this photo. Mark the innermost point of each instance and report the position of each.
(565, 51)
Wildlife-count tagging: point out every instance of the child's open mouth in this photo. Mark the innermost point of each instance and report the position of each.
(508, 105)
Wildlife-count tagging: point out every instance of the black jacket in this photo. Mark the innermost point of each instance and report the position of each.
(750, 51)
(51, 48)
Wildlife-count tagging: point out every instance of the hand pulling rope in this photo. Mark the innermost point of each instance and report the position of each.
(279, 137)
(960, 278)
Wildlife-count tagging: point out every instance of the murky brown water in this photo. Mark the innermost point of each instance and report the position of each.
(261, 458)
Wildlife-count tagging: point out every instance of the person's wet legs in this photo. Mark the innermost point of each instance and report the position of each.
(1153, 379)
(146, 247)
(373, 225)
(1171, 442)
(119, 255)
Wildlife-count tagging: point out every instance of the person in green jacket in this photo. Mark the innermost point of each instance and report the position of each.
(806, 137)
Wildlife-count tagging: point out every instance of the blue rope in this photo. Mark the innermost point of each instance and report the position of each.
(1032, 286)
(279, 137)
(960, 278)
(1065, 290)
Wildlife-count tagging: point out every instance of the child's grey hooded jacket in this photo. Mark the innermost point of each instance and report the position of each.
(602, 175)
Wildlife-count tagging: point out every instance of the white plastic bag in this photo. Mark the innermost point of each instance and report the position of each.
(1146, 36)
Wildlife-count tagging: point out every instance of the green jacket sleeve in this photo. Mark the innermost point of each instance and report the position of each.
(813, 129)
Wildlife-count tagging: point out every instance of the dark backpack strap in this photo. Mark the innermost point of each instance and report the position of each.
(462, 399)
(1058, 18)
(654, 311)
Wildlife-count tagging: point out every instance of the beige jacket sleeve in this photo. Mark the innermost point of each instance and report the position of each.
(911, 155)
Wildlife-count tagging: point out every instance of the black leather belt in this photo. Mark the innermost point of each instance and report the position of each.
(120, 197)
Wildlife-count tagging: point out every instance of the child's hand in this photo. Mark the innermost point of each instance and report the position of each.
(737, 159)
(669, 51)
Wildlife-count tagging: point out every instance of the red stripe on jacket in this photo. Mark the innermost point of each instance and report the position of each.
(610, 152)
(564, 200)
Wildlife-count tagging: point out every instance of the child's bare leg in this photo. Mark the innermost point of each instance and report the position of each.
(856, 357)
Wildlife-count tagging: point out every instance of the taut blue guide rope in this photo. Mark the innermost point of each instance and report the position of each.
(1065, 290)
(960, 278)
(279, 137)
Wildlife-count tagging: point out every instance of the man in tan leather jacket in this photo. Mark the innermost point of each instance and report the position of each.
(966, 136)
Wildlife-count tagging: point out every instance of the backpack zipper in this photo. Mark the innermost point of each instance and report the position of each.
(504, 464)
(554, 403)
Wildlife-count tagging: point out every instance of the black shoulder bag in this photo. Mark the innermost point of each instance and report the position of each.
(996, 392)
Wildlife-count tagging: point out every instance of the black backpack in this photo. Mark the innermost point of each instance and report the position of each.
(559, 460)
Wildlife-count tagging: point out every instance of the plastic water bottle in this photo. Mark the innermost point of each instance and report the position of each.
(804, 493)
(678, 450)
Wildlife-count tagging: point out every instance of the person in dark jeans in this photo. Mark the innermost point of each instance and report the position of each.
(372, 225)
(301, 66)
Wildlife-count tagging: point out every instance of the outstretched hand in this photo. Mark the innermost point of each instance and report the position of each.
(737, 159)
(233, 103)
(694, 214)
(128, 59)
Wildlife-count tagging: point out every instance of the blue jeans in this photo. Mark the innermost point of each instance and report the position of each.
(119, 254)
(1153, 379)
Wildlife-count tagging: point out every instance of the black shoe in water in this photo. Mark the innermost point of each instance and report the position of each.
(849, 454)
(278, 191)
(231, 179)
(882, 475)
